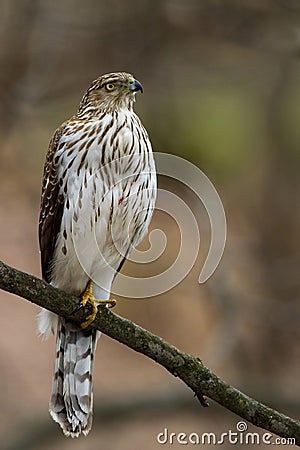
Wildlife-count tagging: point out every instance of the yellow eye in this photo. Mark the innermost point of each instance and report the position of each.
(110, 87)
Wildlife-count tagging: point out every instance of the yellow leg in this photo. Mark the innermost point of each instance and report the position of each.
(88, 297)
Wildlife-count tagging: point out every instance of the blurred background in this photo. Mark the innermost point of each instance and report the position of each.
(221, 89)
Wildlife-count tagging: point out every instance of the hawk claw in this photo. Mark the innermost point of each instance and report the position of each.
(88, 297)
(78, 308)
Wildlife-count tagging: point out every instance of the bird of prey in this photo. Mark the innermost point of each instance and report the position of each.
(98, 195)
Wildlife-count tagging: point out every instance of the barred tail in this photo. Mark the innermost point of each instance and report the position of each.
(71, 403)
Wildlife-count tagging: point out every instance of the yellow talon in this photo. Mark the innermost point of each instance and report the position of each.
(88, 297)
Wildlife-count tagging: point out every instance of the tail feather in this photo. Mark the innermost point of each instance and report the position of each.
(71, 401)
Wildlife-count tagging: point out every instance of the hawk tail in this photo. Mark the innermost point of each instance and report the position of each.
(71, 403)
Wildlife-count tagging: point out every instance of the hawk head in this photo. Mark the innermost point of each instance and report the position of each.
(110, 92)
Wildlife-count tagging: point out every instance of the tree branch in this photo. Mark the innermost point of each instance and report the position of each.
(182, 365)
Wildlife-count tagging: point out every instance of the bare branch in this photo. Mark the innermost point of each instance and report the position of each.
(182, 365)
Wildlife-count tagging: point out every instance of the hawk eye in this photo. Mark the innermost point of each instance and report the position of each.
(110, 87)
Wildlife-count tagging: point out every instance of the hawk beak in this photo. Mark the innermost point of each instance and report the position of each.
(136, 86)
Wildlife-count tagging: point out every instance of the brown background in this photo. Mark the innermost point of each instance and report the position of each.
(221, 82)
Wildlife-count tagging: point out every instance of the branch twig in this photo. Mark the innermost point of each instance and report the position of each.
(182, 365)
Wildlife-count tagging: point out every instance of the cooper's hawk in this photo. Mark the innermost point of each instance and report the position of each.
(98, 195)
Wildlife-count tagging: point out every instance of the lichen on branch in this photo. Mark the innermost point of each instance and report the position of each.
(202, 381)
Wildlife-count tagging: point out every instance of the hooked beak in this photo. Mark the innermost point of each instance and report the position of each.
(136, 86)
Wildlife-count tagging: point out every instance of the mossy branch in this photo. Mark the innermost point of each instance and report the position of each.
(188, 368)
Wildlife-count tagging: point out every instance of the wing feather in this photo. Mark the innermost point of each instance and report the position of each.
(52, 205)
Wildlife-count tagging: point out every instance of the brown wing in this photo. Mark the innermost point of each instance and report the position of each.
(52, 204)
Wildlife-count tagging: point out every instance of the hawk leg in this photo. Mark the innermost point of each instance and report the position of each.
(88, 297)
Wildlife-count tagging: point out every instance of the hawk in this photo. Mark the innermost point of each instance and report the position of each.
(98, 195)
